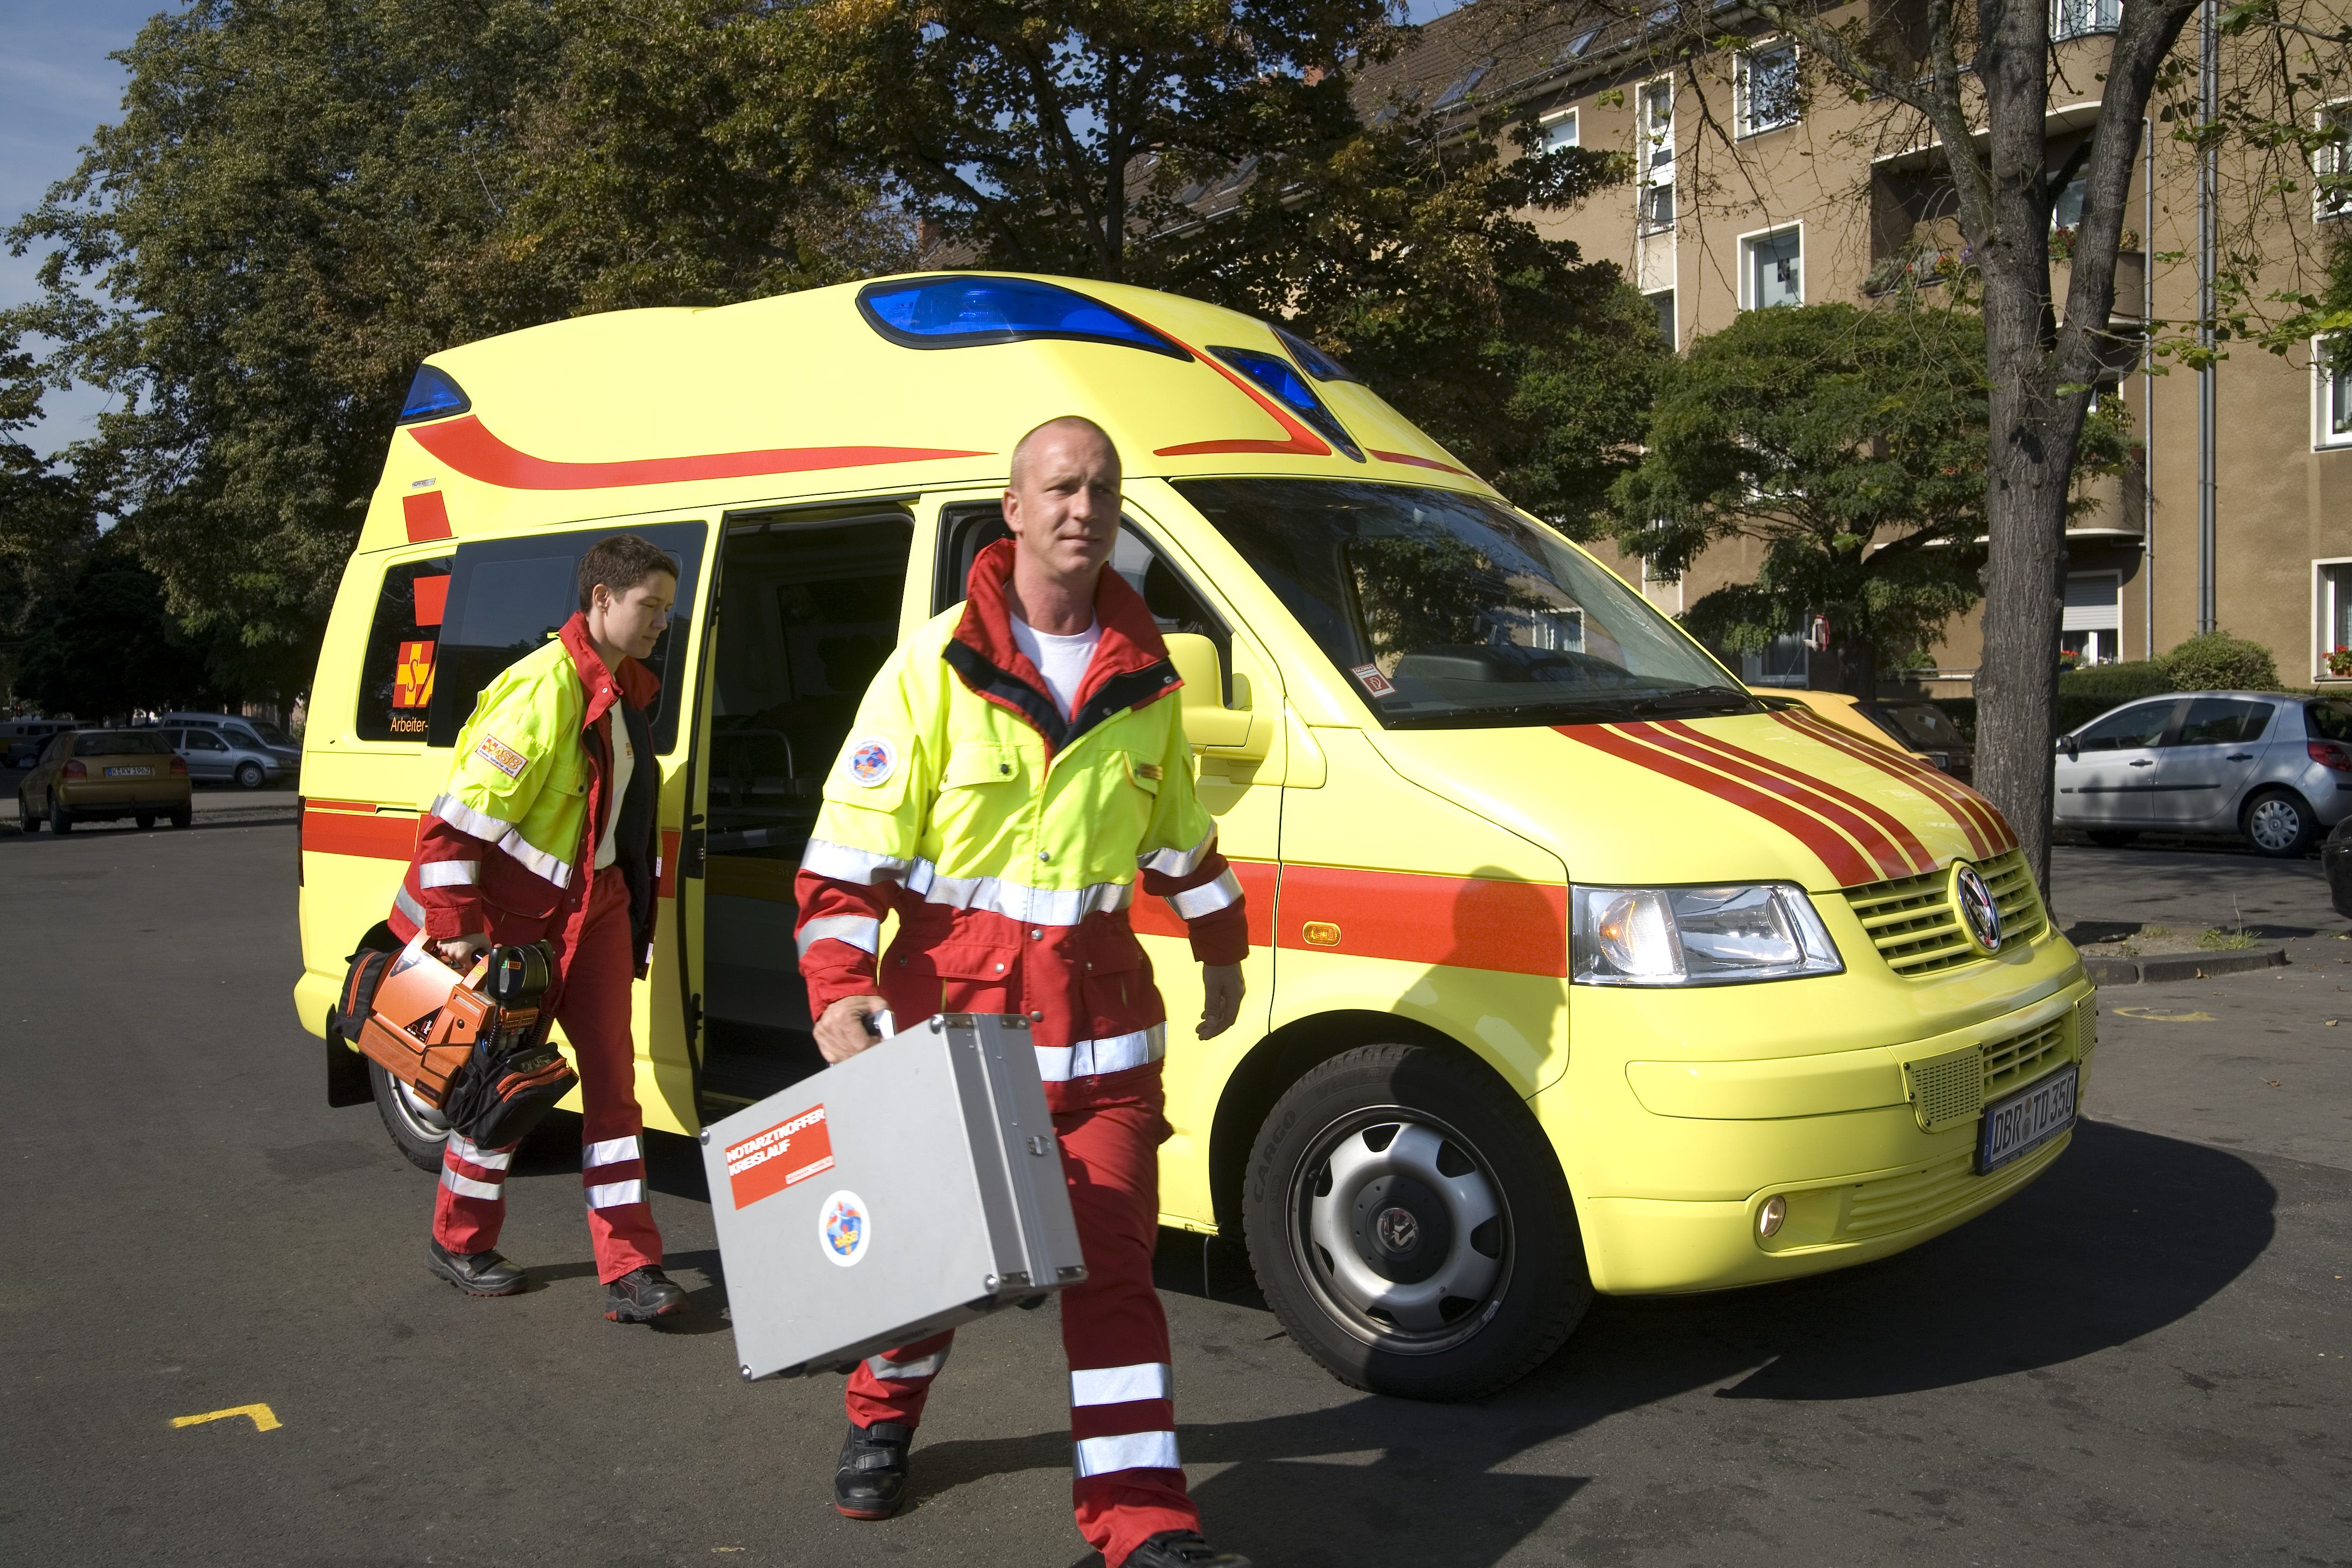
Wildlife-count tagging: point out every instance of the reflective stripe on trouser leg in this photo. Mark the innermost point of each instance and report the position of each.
(895, 1385)
(1126, 1485)
(470, 1206)
(595, 1013)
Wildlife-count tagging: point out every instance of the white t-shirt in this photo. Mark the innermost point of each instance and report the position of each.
(1061, 660)
(625, 763)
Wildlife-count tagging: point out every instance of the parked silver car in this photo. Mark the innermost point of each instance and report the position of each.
(2275, 768)
(225, 747)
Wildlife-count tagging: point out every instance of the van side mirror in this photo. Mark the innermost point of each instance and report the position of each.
(2070, 747)
(1207, 720)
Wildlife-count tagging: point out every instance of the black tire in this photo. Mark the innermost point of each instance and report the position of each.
(143, 818)
(183, 815)
(2279, 824)
(60, 819)
(415, 1137)
(2111, 838)
(1476, 1138)
(248, 776)
(25, 821)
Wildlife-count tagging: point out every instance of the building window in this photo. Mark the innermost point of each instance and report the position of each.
(2079, 18)
(2331, 164)
(1654, 114)
(2091, 631)
(1775, 269)
(1560, 130)
(2331, 367)
(1663, 300)
(1766, 89)
(2333, 612)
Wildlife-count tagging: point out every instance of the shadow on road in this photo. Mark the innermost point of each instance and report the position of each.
(2129, 1233)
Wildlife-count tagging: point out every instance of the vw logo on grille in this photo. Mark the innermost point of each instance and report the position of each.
(1978, 914)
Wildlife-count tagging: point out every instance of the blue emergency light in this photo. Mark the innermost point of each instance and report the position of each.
(433, 396)
(1278, 376)
(963, 311)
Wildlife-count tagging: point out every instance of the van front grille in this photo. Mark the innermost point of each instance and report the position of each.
(2022, 1058)
(1951, 1088)
(1916, 929)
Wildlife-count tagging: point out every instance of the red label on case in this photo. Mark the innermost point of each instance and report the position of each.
(767, 1162)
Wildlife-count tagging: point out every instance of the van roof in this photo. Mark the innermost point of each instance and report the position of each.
(803, 397)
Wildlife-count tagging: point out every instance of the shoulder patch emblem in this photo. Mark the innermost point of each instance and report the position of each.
(871, 761)
(1149, 771)
(501, 756)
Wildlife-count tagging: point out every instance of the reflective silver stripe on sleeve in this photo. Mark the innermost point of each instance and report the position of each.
(1208, 898)
(473, 1153)
(448, 873)
(538, 860)
(1115, 1053)
(1178, 862)
(1018, 901)
(409, 908)
(610, 1151)
(1120, 1384)
(466, 819)
(860, 931)
(823, 858)
(907, 1370)
(466, 1187)
(1129, 1451)
(613, 1195)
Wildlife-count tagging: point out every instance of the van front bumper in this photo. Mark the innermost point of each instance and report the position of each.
(1672, 1161)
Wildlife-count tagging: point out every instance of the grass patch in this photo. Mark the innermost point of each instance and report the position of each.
(2217, 939)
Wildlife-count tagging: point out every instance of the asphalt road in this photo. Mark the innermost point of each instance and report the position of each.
(2140, 1359)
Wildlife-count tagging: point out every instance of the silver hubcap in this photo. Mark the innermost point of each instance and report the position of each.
(1402, 1229)
(2275, 824)
(424, 1121)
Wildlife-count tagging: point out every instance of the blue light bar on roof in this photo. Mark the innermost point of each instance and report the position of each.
(433, 396)
(955, 312)
(1276, 375)
(1315, 361)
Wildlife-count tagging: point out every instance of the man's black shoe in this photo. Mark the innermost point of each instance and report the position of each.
(870, 1481)
(642, 1295)
(474, 1273)
(1182, 1549)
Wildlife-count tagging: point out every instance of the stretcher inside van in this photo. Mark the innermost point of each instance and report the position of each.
(1573, 966)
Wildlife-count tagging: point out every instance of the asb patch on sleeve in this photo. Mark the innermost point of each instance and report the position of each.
(871, 761)
(501, 756)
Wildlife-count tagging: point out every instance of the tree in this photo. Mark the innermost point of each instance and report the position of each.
(45, 524)
(1851, 444)
(104, 645)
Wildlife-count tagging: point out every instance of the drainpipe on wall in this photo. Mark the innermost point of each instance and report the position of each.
(2147, 398)
(2208, 175)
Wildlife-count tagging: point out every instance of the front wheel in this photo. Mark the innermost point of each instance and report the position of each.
(25, 821)
(415, 1127)
(1408, 1224)
(2279, 824)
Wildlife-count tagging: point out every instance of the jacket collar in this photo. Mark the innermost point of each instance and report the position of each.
(1130, 668)
(632, 683)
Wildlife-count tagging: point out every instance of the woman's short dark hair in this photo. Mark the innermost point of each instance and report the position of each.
(622, 563)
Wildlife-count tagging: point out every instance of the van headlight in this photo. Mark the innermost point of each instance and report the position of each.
(1698, 936)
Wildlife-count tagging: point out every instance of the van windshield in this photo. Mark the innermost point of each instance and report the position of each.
(1452, 611)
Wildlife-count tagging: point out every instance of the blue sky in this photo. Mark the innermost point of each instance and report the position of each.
(57, 85)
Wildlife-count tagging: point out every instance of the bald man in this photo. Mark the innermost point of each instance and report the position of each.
(1017, 769)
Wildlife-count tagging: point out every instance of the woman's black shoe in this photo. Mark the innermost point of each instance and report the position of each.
(476, 1273)
(870, 1482)
(642, 1295)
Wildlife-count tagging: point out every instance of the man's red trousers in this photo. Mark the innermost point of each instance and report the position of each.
(1127, 1485)
(593, 1009)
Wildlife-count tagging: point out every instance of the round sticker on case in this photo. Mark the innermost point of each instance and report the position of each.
(871, 761)
(842, 1228)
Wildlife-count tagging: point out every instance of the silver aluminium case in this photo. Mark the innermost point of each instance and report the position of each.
(925, 1191)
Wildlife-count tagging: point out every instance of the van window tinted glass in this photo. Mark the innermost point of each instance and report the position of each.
(396, 669)
(120, 743)
(2328, 721)
(2140, 725)
(508, 596)
(1452, 610)
(1174, 604)
(2223, 721)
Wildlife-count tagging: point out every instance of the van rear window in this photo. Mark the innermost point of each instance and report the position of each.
(508, 596)
(396, 672)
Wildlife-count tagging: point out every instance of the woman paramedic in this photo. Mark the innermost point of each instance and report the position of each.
(547, 830)
(1049, 659)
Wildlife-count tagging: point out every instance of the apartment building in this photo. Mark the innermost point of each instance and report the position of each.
(1758, 184)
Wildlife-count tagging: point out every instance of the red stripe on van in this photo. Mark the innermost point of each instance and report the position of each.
(1988, 831)
(351, 832)
(1152, 916)
(1411, 461)
(1890, 842)
(427, 516)
(466, 445)
(1462, 922)
(1844, 863)
(1302, 441)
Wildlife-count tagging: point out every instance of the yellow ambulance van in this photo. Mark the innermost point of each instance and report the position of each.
(1575, 968)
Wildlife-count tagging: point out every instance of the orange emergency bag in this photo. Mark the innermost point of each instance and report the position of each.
(472, 1045)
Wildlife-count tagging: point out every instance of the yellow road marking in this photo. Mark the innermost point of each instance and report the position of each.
(264, 1418)
(2153, 1016)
